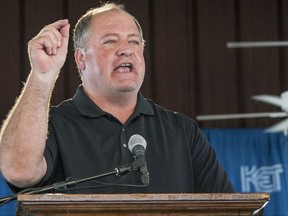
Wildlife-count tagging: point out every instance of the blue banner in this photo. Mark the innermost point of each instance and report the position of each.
(255, 161)
(8, 209)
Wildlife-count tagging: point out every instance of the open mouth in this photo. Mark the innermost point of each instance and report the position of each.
(125, 67)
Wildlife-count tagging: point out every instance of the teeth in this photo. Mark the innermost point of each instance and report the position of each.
(126, 65)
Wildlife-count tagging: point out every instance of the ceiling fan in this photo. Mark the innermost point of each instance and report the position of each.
(279, 101)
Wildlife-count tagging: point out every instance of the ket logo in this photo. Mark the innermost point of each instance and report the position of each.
(262, 179)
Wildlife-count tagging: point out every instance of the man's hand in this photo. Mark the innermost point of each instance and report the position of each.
(48, 50)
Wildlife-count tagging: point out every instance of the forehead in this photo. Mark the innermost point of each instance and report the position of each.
(114, 21)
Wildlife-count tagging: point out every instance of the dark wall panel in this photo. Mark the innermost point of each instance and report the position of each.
(37, 14)
(171, 68)
(260, 66)
(10, 55)
(217, 64)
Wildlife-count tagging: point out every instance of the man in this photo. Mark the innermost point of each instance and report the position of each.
(88, 134)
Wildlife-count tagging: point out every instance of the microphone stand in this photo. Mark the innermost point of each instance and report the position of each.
(70, 182)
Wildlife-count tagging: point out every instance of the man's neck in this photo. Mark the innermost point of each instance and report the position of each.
(121, 106)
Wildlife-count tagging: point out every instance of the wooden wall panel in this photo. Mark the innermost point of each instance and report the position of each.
(37, 14)
(260, 66)
(171, 71)
(217, 64)
(10, 55)
(283, 52)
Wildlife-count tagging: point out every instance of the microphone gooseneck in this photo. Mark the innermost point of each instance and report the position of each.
(137, 145)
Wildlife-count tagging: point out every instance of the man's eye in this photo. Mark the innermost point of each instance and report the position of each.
(109, 41)
(134, 42)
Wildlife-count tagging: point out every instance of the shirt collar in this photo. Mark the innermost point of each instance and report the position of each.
(88, 108)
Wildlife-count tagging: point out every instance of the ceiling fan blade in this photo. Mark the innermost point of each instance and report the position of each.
(280, 126)
(270, 99)
(284, 98)
(256, 44)
(243, 115)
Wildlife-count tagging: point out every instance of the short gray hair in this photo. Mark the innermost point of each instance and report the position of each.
(82, 27)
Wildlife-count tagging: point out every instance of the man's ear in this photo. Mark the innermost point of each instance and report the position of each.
(79, 56)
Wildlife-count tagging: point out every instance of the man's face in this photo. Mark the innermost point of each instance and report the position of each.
(114, 60)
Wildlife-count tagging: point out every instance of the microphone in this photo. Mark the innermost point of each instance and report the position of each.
(137, 145)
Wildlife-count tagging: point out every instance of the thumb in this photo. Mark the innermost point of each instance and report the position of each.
(64, 31)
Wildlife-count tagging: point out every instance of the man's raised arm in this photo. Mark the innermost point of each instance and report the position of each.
(23, 133)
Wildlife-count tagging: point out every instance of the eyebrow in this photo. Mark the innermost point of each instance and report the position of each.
(116, 35)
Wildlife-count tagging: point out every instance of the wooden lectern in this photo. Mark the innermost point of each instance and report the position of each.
(142, 204)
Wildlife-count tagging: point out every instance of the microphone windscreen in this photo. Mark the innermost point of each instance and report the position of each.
(136, 139)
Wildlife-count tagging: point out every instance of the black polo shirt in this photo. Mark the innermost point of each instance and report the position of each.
(85, 141)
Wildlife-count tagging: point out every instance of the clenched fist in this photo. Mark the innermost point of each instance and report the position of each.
(48, 50)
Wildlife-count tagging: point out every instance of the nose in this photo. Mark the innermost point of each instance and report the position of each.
(124, 49)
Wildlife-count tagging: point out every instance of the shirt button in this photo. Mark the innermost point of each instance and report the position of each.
(124, 145)
(123, 129)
